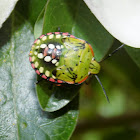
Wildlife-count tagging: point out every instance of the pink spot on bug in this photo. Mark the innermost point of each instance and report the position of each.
(72, 36)
(45, 51)
(33, 66)
(52, 80)
(54, 53)
(35, 41)
(30, 59)
(49, 33)
(57, 33)
(42, 36)
(43, 76)
(59, 81)
(65, 33)
(37, 71)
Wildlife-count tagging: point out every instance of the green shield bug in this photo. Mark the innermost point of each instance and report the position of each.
(62, 58)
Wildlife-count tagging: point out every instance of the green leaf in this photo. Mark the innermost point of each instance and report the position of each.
(134, 53)
(52, 97)
(20, 114)
(50, 126)
(39, 24)
(30, 9)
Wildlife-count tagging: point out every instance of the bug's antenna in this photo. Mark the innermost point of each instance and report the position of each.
(102, 87)
(113, 52)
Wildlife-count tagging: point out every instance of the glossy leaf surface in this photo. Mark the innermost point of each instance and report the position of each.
(52, 97)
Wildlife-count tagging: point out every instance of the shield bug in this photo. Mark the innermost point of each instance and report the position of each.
(63, 58)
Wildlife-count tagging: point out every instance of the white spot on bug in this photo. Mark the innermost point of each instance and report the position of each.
(58, 36)
(53, 77)
(43, 46)
(51, 36)
(44, 38)
(62, 46)
(93, 58)
(33, 58)
(38, 41)
(35, 53)
(58, 47)
(51, 46)
(88, 73)
(57, 64)
(54, 61)
(37, 47)
(47, 73)
(36, 64)
(47, 58)
(40, 55)
(41, 69)
(64, 36)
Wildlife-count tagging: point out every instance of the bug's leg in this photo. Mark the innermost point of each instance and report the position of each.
(89, 80)
(102, 87)
(113, 52)
(86, 83)
(37, 82)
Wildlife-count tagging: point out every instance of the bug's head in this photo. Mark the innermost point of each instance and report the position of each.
(94, 67)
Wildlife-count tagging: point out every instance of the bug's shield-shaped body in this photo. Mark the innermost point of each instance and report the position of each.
(63, 58)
